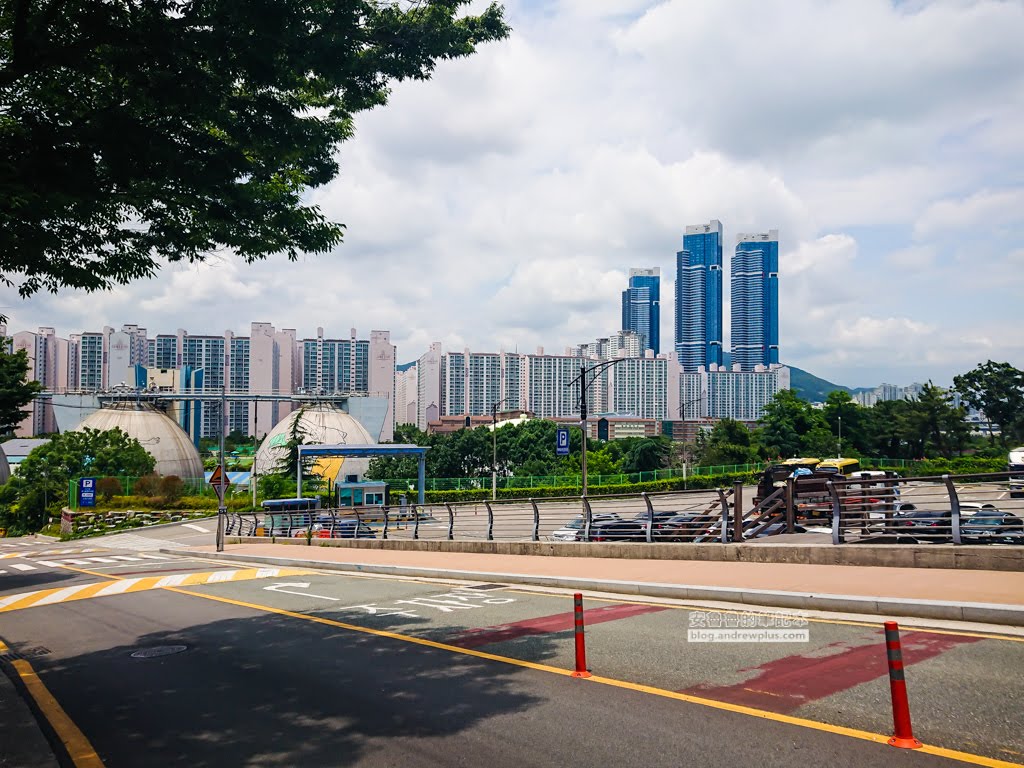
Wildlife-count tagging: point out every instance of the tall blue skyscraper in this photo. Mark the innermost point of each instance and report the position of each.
(641, 306)
(699, 297)
(755, 300)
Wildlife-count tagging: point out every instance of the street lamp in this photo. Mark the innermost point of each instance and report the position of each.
(839, 447)
(584, 386)
(494, 447)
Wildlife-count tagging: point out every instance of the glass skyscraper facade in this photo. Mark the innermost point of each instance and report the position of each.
(641, 306)
(699, 297)
(755, 300)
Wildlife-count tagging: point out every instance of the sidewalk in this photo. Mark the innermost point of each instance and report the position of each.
(986, 596)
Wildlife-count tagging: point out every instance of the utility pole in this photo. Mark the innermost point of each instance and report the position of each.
(221, 508)
(494, 448)
(255, 443)
(839, 447)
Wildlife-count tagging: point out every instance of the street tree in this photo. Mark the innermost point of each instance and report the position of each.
(997, 389)
(137, 133)
(786, 421)
(934, 424)
(41, 485)
(16, 391)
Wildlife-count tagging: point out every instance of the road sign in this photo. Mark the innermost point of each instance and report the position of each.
(562, 441)
(87, 491)
(218, 476)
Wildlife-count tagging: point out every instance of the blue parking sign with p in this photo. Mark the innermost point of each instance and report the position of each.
(562, 441)
(87, 491)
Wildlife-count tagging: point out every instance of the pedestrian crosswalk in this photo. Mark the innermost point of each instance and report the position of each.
(137, 543)
(12, 567)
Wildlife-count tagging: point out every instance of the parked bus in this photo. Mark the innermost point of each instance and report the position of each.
(282, 517)
(844, 467)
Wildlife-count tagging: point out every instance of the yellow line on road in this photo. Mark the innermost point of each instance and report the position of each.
(79, 749)
(736, 708)
(118, 586)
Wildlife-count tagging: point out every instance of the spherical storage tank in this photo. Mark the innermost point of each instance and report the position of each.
(323, 424)
(165, 441)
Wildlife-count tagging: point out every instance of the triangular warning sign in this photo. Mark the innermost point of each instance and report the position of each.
(219, 476)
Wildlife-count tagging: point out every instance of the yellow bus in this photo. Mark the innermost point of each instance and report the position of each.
(844, 467)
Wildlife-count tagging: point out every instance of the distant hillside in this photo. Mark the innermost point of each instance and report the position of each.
(810, 387)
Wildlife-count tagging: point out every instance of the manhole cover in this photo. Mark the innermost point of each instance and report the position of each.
(160, 650)
(484, 587)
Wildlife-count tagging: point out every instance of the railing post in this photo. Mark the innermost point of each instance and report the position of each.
(838, 537)
(588, 518)
(723, 498)
(415, 521)
(387, 519)
(490, 521)
(737, 507)
(790, 505)
(650, 515)
(451, 521)
(954, 509)
(536, 520)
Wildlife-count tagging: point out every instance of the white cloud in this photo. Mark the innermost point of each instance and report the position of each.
(984, 209)
(502, 203)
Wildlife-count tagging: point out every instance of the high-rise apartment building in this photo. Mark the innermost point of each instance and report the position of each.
(698, 337)
(755, 300)
(717, 393)
(641, 307)
(48, 364)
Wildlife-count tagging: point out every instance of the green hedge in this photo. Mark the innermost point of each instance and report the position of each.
(235, 504)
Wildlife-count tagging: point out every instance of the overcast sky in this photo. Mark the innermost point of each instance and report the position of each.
(501, 204)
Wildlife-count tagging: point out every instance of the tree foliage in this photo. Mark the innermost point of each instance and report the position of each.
(997, 389)
(16, 391)
(137, 132)
(41, 486)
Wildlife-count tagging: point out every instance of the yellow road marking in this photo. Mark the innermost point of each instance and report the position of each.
(88, 572)
(760, 713)
(79, 749)
(124, 586)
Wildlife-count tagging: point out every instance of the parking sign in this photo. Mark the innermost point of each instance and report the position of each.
(87, 491)
(562, 441)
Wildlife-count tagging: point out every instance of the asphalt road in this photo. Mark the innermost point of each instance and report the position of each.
(336, 670)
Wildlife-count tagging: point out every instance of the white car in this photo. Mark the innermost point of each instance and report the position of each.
(568, 531)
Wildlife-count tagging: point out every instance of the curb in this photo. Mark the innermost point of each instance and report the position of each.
(987, 613)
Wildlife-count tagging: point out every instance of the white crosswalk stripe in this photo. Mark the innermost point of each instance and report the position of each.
(138, 543)
(22, 567)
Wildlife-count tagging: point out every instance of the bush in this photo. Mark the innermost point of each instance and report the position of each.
(108, 487)
(172, 488)
(147, 485)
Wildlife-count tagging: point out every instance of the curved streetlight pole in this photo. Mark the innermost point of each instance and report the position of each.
(494, 447)
(584, 386)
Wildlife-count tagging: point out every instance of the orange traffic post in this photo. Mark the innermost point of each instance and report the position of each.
(581, 646)
(904, 732)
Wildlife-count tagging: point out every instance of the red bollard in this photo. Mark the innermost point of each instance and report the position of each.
(581, 647)
(904, 732)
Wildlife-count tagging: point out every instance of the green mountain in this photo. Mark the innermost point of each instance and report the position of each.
(810, 387)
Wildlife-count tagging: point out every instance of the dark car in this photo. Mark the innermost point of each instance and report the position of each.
(927, 525)
(680, 528)
(993, 525)
(615, 530)
(659, 521)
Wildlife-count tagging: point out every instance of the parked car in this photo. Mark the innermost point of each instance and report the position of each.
(678, 528)
(568, 531)
(928, 525)
(342, 528)
(661, 519)
(994, 525)
(614, 530)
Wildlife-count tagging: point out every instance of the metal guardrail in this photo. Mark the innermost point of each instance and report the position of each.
(884, 510)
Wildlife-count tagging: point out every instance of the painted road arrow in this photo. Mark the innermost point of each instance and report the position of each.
(300, 585)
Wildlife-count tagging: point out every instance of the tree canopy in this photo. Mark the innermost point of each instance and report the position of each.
(997, 389)
(133, 133)
(41, 485)
(16, 391)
